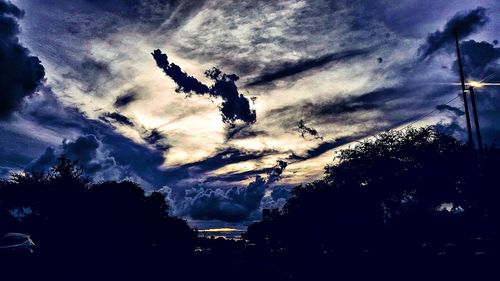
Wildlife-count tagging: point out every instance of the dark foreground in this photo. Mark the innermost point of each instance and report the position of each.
(414, 205)
(228, 260)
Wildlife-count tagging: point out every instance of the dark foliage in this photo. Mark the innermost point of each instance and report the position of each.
(84, 231)
(414, 202)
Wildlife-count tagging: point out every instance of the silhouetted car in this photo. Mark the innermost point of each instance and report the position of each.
(16, 242)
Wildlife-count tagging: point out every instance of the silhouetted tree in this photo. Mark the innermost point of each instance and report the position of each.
(399, 196)
(413, 201)
(94, 230)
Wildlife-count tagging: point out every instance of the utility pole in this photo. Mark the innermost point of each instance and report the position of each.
(476, 119)
(464, 95)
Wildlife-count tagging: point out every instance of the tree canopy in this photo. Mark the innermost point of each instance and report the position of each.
(401, 195)
(393, 204)
(113, 228)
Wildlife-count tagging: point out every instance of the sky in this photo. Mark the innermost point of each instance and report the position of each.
(223, 106)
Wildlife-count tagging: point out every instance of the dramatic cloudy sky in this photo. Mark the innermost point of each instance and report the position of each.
(225, 105)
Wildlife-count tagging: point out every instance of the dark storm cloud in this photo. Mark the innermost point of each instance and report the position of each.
(454, 110)
(315, 30)
(465, 23)
(278, 198)
(242, 131)
(61, 32)
(156, 139)
(91, 66)
(113, 117)
(292, 68)
(137, 161)
(321, 149)
(326, 111)
(236, 177)
(20, 73)
(92, 73)
(223, 157)
(275, 173)
(452, 129)
(7, 8)
(125, 99)
(185, 83)
(133, 160)
(305, 130)
(480, 60)
(232, 205)
(385, 109)
(45, 161)
(234, 106)
(372, 112)
(84, 150)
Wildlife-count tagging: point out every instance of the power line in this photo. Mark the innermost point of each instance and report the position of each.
(422, 116)
(427, 114)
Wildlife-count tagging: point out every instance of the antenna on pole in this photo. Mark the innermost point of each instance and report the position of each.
(476, 118)
(464, 95)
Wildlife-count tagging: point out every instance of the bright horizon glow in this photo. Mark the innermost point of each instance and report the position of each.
(225, 229)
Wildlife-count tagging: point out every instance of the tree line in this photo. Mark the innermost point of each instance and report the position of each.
(405, 203)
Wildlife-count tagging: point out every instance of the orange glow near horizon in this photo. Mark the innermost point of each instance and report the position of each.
(219, 230)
